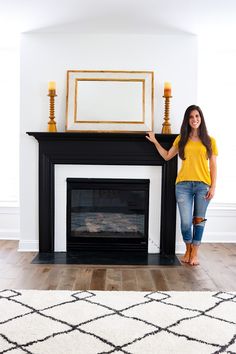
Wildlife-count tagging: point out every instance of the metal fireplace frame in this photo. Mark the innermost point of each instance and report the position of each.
(118, 242)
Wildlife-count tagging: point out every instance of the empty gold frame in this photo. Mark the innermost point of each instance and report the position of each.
(109, 101)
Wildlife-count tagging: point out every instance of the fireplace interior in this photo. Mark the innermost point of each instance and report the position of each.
(107, 213)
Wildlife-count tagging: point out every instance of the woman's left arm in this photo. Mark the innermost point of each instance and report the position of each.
(213, 173)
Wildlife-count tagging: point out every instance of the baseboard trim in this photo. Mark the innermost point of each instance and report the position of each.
(213, 237)
(180, 248)
(28, 246)
(210, 237)
(9, 221)
(8, 234)
(226, 212)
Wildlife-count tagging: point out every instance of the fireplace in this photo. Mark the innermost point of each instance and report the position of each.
(103, 149)
(103, 214)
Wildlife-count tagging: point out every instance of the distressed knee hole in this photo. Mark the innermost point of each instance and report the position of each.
(197, 220)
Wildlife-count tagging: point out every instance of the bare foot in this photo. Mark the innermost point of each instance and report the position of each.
(193, 258)
(187, 255)
(194, 261)
(185, 258)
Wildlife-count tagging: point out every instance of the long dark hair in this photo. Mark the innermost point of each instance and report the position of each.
(186, 129)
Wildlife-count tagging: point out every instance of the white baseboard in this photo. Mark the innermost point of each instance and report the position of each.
(220, 227)
(210, 237)
(9, 234)
(28, 246)
(180, 248)
(9, 222)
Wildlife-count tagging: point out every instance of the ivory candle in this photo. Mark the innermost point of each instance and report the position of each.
(167, 89)
(51, 85)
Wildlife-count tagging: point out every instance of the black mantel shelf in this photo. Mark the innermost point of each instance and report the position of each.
(103, 149)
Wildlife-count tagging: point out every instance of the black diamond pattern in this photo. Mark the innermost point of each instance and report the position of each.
(41, 322)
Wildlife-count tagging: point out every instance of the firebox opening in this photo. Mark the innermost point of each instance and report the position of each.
(107, 214)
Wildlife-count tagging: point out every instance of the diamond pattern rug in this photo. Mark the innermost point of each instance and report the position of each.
(89, 322)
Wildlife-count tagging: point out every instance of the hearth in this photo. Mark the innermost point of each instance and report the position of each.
(107, 214)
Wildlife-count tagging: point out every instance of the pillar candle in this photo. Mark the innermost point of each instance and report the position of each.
(51, 85)
(167, 89)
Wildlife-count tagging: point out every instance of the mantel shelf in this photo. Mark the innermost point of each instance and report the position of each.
(98, 136)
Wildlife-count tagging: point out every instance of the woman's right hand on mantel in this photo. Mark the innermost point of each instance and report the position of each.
(151, 137)
(167, 155)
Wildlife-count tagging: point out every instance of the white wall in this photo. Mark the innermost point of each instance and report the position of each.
(217, 77)
(9, 132)
(47, 57)
(9, 143)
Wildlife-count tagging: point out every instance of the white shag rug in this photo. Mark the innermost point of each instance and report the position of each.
(92, 322)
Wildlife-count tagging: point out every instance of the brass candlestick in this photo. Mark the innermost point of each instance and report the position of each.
(52, 124)
(166, 126)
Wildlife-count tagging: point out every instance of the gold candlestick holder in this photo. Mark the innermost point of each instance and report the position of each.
(51, 123)
(166, 126)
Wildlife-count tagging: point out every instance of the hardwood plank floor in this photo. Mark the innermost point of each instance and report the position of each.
(216, 272)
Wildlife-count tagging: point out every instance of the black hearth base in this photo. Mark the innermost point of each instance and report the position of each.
(105, 258)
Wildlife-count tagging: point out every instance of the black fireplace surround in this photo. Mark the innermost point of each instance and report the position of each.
(103, 149)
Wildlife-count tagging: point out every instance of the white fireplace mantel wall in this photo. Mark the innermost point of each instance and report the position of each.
(47, 56)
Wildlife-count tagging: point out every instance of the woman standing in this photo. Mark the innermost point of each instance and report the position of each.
(196, 180)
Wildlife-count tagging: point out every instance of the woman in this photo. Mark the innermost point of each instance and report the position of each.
(196, 180)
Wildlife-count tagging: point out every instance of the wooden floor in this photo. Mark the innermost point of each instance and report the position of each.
(217, 271)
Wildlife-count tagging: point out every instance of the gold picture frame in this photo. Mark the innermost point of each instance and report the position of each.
(109, 101)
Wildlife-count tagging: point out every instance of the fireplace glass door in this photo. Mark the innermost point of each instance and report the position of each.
(107, 214)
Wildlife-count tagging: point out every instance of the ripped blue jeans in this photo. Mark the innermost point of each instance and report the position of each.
(192, 204)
